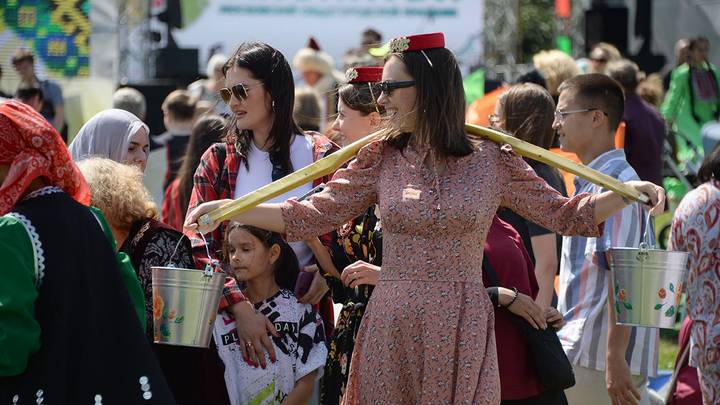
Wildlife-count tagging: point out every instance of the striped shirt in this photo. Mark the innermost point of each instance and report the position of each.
(584, 276)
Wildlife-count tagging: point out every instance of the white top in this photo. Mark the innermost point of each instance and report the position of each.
(300, 350)
(260, 174)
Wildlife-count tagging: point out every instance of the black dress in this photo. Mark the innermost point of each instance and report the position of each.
(93, 349)
(360, 239)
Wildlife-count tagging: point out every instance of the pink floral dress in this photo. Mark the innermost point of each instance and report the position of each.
(696, 229)
(427, 336)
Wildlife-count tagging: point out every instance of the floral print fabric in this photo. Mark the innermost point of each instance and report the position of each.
(427, 334)
(696, 229)
(33, 149)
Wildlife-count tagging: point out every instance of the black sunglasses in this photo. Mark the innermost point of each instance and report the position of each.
(240, 91)
(387, 88)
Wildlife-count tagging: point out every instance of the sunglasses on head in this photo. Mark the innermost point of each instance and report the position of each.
(240, 91)
(387, 88)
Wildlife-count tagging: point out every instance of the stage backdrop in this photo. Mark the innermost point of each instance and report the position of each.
(336, 24)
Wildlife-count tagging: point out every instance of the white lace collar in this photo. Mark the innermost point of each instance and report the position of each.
(43, 191)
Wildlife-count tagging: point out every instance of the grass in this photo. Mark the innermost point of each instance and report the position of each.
(668, 349)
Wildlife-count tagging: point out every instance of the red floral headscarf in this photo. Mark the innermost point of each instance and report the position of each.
(32, 148)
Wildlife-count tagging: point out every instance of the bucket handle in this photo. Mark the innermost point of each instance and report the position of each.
(648, 239)
(213, 263)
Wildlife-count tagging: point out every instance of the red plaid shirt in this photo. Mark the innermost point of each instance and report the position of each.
(216, 181)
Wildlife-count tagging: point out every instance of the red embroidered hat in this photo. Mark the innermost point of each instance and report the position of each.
(417, 42)
(364, 74)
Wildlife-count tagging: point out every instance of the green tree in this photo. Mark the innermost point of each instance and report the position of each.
(536, 26)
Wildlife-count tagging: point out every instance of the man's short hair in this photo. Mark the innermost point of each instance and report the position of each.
(625, 72)
(22, 55)
(599, 91)
(129, 99)
(180, 105)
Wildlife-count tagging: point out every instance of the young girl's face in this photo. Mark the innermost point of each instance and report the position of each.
(249, 257)
(353, 125)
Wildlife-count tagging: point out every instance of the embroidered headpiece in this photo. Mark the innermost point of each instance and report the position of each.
(365, 74)
(419, 42)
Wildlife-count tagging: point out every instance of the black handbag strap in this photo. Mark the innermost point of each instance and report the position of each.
(487, 268)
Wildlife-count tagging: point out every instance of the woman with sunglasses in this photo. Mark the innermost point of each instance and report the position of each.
(355, 250)
(262, 143)
(427, 335)
(527, 111)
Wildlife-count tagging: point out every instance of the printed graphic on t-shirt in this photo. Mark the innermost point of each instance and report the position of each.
(300, 349)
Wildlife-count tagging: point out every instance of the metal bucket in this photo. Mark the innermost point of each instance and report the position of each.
(647, 282)
(185, 302)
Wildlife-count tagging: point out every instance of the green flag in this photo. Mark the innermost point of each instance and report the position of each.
(474, 86)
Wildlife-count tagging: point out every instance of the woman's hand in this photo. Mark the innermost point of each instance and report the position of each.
(523, 306)
(191, 221)
(359, 273)
(554, 318)
(655, 192)
(252, 329)
(322, 256)
(318, 287)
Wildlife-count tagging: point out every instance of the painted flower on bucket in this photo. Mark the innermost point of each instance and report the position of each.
(662, 293)
(621, 300)
(158, 306)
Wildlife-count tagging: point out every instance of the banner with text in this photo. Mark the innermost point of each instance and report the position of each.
(336, 24)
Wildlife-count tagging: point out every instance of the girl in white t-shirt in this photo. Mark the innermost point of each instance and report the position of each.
(268, 268)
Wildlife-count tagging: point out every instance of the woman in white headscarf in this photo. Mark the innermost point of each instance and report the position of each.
(109, 150)
(113, 134)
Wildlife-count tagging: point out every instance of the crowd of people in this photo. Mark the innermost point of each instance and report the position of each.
(448, 255)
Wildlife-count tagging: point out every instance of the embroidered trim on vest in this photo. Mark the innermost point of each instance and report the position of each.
(38, 252)
(43, 191)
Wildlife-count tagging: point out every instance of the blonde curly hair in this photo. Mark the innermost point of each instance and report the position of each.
(117, 190)
(556, 67)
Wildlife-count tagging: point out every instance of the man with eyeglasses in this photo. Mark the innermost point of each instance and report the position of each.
(611, 362)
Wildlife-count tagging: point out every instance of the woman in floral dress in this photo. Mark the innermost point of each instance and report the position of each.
(427, 334)
(696, 229)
